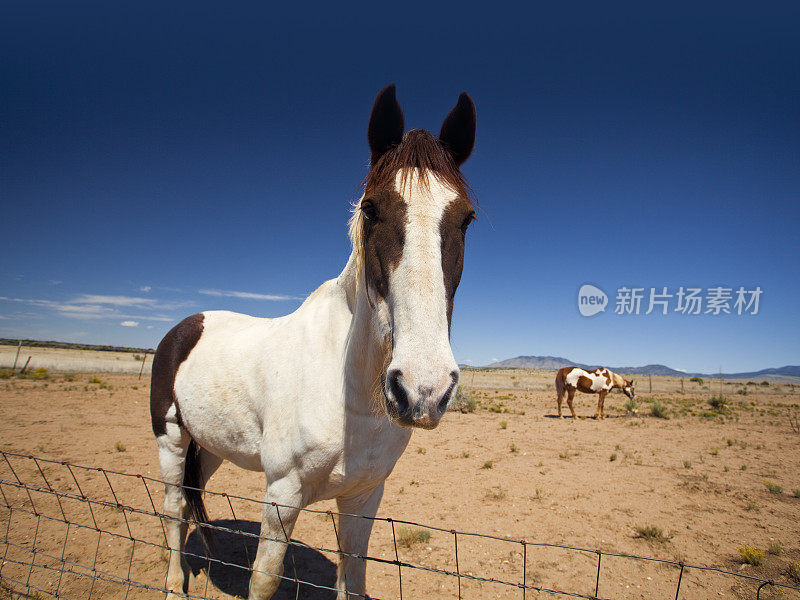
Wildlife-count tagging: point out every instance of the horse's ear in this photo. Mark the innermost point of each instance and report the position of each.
(458, 130)
(386, 123)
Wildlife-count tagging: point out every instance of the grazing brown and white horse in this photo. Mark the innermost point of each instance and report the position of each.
(323, 400)
(600, 381)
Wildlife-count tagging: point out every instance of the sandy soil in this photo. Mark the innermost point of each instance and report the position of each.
(509, 469)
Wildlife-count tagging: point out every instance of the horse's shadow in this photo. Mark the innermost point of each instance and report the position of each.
(233, 556)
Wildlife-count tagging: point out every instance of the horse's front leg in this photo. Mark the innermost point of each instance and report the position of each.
(601, 398)
(277, 523)
(354, 532)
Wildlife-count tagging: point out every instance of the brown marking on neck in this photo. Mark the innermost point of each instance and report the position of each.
(171, 352)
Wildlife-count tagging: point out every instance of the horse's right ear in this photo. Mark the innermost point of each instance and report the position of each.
(386, 123)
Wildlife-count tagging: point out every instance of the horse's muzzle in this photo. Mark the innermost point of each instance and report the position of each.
(422, 407)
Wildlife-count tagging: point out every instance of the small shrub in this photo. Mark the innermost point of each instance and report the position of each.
(488, 464)
(39, 374)
(773, 488)
(717, 402)
(697, 380)
(6, 374)
(687, 464)
(496, 493)
(659, 411)
(775, 548)
(464, 402)
(793, 571)
(650, 532)
(613, 457)
(765, 383)
(408, 536)
(503, 424)
(69, 376)
(743, 467)
(119, 447)
(513, 449)
(464, 454)
(796, 493)
(752, 506)
(95, 379)
(714, 451)
(421, 450)
(751, 555)
(742, 391)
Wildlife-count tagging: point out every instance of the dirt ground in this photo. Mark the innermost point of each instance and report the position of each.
(509, 469)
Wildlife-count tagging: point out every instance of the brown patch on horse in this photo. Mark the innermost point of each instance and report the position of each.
(383, 237)
(171, 352)
(452, 231)
(585, 384)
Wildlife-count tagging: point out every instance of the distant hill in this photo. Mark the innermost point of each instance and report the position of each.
(534, 362)
(557, 362)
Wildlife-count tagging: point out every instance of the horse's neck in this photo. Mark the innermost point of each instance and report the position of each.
(367, 349)
(616, 380)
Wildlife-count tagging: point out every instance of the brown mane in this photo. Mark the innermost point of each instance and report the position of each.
(422, 151)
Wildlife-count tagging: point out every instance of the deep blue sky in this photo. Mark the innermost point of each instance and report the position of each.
(153, 151)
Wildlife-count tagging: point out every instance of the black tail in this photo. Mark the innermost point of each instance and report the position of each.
(192, 490)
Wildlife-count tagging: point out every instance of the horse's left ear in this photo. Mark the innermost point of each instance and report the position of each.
(630, 382)
(458, 130)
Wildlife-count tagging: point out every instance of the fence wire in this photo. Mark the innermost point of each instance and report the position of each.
(77, 532)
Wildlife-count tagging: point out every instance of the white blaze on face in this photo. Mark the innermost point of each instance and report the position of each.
(418, 305)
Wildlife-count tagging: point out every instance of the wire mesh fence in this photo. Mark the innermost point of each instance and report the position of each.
(77, 532)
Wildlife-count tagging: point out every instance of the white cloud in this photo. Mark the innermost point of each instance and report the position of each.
(93, 306)
(130, 323)
(113, 300)
(247, 295)
(145, 288)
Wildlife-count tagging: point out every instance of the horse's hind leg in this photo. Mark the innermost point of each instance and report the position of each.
(559, 400)
(172, 447)
(570, 396)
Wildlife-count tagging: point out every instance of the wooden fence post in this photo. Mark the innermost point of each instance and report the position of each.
(142, 367)
(19, 347)
(27, 362)
(650, 379)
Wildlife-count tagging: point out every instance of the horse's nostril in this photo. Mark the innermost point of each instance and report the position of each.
(398, 390)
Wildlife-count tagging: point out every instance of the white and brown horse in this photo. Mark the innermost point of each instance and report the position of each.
(323, 400)
(600, 382)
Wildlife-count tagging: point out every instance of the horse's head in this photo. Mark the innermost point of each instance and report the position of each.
(628, 389)
(410, 227)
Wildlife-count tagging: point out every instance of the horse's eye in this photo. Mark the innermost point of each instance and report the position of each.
(467, 220)
(369, 211)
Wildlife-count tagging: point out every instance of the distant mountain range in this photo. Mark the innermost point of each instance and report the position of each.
(556, 362)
